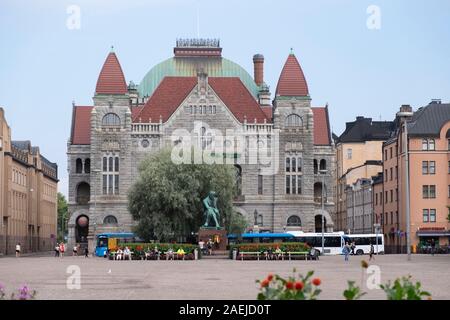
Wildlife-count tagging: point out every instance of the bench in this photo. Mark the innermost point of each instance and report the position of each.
(298, 253)
(250, 253)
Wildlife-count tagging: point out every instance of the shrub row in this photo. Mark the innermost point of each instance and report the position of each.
(140, 248)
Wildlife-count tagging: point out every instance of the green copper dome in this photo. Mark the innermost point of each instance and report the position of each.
(189, 66)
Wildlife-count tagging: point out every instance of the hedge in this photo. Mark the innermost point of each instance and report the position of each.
(262, 247)
(140, 248)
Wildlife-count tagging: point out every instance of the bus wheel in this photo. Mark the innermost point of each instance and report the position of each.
(359, 252)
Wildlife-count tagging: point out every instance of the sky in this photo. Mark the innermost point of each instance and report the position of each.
(362, 57)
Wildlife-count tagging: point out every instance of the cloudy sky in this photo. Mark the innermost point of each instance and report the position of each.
(361, 57)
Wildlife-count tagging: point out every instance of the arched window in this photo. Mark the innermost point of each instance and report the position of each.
(294, 221)
(294, 120)
(110, 220)
(323, 165)
(316, 169)
(424, 144)
(87, 165)
(111, 120)
(238, 179)
(78, 166)
(83, 193)
(260, 220)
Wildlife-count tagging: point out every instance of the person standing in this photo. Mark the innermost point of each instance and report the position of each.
(433, 246)
(353, 246)
(346, 251)
(372, 251)
(18, 249)
(62, 248)
(56, 250)
(75, 250)
(86, 252)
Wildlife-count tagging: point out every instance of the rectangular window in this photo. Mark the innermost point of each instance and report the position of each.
(391, 170)
(294, 184)
(288, 184)
(396, 194)
(386, 197)
(349, 153)
(390, 152)
(432, 215)
(432, 192)
(116, 184)
(110, 164)
(432, 167)
(105, 164)
(425, 215)
(299, 164)
(294, 164)
(425, 192)
(376, 197)
(385, 154)
(105, 184)
(425, 167)
(116, 164)
(449, 167)
(392, 195)
(110, 184)
(386, 175)
(299, 184)
(288, 164)
(386, 221)
(449, 191)
(260, 184)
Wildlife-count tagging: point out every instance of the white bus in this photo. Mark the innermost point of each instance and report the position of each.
(333, 241)
(363, 241)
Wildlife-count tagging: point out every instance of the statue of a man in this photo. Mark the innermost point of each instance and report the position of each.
(211, 210)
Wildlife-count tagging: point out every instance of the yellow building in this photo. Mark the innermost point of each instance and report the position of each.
(28, 195)
(358, 156)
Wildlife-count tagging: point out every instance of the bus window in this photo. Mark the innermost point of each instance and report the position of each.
(333, 242)
(102, 242)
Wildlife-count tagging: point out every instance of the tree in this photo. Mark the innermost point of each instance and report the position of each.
(62, 216)
(166, 199)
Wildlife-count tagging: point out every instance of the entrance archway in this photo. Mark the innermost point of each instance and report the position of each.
(318, 223)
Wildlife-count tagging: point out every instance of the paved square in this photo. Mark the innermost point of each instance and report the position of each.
(208, 278)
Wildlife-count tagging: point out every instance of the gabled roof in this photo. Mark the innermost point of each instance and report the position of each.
(322, 133)
(111, 79)
(238, 99)
(428, 121)
(81, 125)
(292, 82)
(166, 99)
(24, 145)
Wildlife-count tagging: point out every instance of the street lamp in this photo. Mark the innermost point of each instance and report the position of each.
(404, 114)
(323, 172)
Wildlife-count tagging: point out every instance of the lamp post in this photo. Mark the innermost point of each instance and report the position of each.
(323, 172)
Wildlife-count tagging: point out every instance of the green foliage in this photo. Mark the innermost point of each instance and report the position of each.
(62, 216)
(140, 248)
(353, 292)
(237, 223)
(404, 289)
(166, 200)
(294, 287)
(262, 247)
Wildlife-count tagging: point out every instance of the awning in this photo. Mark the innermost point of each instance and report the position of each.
(443, 233)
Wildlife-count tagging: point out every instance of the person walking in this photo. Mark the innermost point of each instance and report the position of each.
(346, 251)
(372, 251)
(86, 252)
(433, 246)
(62, 248)
(18, 249)
(75, 250)
(353, 246)
(56, 250)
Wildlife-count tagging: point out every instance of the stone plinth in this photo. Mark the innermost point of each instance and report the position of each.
(204, 234)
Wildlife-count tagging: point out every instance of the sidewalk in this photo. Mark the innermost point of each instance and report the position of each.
(29, 254)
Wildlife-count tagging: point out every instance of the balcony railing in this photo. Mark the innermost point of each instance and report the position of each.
(154, 128)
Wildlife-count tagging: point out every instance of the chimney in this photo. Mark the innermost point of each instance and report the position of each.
(258, 68)
(405, 111)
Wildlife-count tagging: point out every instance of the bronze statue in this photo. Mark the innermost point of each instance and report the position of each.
(211, 210)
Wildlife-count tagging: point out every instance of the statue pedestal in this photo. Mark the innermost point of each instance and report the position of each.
(204, 234)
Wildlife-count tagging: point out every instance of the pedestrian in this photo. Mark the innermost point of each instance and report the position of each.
(433, 246)
(86, 252)
(372, 251)
(75, 250)
(62, 248)
(346, 251)
(353, 246)
(56, 250)
(210, 247)
(18, 249)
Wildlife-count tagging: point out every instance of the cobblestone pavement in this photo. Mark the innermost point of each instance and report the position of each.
(208, 279)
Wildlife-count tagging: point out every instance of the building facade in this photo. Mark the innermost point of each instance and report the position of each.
(359, 197)
(358, 156)
(427, 140)
(28, 195)
(199, 94)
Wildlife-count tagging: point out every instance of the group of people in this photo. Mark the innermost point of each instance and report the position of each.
(270, 254)
(124, 254)
(208, 248)
(60, 249)
(350, 249)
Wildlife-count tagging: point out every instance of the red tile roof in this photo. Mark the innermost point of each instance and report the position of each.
(238, 99)
(268, 111)
(292, 81)
(167, 97)
(111, 79)
(321, 126)
(81, 125)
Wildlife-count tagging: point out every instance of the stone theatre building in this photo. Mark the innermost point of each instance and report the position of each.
(200, 91)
